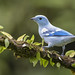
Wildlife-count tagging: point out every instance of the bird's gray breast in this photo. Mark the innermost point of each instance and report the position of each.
(59, 41)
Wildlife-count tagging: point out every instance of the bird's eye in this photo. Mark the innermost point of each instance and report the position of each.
(40, 18)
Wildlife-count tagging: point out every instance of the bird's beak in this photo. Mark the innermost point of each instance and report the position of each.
(33, 18)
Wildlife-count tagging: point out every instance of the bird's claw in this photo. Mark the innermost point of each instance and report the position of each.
(42, 49)
(62, 54)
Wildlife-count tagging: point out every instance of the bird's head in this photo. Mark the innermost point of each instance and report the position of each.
(40, 20)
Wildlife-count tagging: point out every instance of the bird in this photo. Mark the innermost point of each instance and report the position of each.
(52, 35)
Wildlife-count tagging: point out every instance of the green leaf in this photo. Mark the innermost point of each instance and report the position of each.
(45, 63)
(58, 64)
(32, 39)
(48, 56)
(2, 48)
(51, 62)
(29, 41)
(73, 65)
(34, 61)
(37, 43)
(42, 42)
(21, 37)
(41, 61)
(6, 42)
(18, 56)
(70, 53)
(25, 38)
(6, 34)
(1, 27)
(38, 55)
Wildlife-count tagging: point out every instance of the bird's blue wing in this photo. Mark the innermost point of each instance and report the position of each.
(57, 33)
(62, 33)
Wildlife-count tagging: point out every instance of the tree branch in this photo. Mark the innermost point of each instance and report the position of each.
(23, 49)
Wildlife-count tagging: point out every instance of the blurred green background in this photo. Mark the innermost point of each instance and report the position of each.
(15, 17)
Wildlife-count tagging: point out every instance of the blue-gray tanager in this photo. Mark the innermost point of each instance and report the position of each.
(52, 35)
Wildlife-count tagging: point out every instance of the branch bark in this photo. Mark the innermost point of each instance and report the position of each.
(23, 49)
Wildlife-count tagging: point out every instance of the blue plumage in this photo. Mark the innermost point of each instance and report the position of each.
(52, 35)
(62, 33)
(57, 33)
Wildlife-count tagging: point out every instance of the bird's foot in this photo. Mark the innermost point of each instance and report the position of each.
(62, 54)
(43, 48)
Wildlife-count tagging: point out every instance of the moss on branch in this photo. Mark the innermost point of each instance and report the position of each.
(26, 50)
